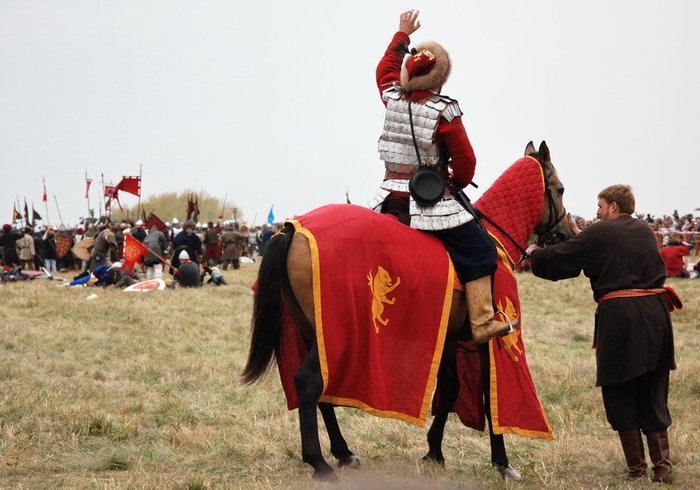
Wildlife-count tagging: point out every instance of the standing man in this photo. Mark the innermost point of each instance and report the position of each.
(231, 245)
(633, 335)
(156, 242)
(25, 250)
(7, 242)
(420, 121)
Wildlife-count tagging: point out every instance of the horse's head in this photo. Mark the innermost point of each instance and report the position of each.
(553, 227)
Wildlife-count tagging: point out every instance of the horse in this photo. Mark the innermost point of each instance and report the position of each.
(285, 278)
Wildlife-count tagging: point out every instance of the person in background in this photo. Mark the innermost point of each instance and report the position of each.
(50, 249)
(156, 242)
(673, 255)
(104, 249)
(138, 231)
(7, 242)
(25, 250)
(187, 274)
(188, 241)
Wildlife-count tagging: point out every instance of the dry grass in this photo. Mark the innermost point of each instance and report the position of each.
(141, 391)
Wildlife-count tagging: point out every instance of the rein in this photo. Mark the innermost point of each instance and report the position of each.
(546, 236)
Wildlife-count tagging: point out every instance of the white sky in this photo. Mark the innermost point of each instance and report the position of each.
(275, 102)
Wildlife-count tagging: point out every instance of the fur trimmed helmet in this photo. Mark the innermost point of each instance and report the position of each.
(427, 69)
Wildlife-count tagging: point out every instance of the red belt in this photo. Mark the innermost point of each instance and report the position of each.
(674, 301)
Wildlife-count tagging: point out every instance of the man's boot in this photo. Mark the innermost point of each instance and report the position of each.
(480, 307)
(659, 454)
(633, 447)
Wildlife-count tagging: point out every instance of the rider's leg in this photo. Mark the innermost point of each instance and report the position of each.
(481, 315)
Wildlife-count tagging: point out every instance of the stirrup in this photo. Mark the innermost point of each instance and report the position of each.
(511, 328)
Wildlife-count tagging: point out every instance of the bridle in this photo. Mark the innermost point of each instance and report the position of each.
(546, 237)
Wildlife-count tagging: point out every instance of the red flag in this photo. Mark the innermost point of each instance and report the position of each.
(87, 187)
(154, 220)
(110, 192)
(43, 199)
(132, 185)
(133, 251)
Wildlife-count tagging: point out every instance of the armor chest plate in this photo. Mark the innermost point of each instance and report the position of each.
(396, 143)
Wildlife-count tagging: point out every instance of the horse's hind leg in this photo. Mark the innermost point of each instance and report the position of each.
(339, 448)
(309, 384)
(449, 389)
(499, 458)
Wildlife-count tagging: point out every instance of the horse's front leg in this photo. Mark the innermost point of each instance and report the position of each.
(309, 384)
(339, 448)
(499, 458)
(449, 389)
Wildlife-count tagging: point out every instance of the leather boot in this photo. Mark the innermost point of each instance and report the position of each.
(480, 307)
(633, 447)
(659, 454)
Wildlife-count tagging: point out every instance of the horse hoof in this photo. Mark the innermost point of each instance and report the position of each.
(326, 476)
(351, 461)
(507, 472)
(434, 459)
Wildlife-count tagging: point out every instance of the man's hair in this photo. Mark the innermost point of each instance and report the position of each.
(622, 195)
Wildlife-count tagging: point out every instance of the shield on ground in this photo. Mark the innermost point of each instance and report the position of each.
(149, 285)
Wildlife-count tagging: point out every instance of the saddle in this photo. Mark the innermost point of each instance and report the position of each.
(399, 207)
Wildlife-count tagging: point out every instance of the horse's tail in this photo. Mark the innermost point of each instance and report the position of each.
(266, 327)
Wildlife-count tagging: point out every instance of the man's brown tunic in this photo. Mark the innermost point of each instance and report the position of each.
(632, 335)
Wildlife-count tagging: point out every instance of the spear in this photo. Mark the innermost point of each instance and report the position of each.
(87, 192)
(57, 209)
(223, 207)
(103, 210)
(138, 206)
(19, 210)
(46, 204)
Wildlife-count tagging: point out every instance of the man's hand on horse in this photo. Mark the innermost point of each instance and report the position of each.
(408, 22)
(530, 249)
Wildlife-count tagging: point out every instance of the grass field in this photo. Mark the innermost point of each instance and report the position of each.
(142, 391)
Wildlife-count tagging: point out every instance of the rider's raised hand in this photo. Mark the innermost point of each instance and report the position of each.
(408, 21)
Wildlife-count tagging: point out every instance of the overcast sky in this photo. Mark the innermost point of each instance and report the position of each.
(275, 102)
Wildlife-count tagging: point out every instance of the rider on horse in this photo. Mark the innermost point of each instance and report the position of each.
(418, 116)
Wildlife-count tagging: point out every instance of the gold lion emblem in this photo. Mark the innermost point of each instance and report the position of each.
(381, 285)
(510, 341)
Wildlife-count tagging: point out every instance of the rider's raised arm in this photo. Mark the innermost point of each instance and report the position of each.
(389, 68)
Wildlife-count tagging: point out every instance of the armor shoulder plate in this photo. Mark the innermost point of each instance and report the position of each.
(448, 107)
(394, 92)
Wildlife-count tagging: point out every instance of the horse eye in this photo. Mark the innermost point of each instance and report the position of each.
(561, 191)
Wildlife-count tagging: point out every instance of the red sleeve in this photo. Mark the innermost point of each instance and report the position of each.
(463, 162)
(389, 68)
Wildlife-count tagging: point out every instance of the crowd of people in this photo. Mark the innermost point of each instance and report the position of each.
(65, 249)
(678, 238)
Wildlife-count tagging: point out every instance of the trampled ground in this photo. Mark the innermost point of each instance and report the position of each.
(142, 391)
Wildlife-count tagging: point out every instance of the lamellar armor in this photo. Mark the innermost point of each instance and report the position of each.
(398, 152)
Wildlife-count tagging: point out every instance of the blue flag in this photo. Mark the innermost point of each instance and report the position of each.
(271, 215)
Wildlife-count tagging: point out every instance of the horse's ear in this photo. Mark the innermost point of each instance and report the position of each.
(530, 149)
(544, 153)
